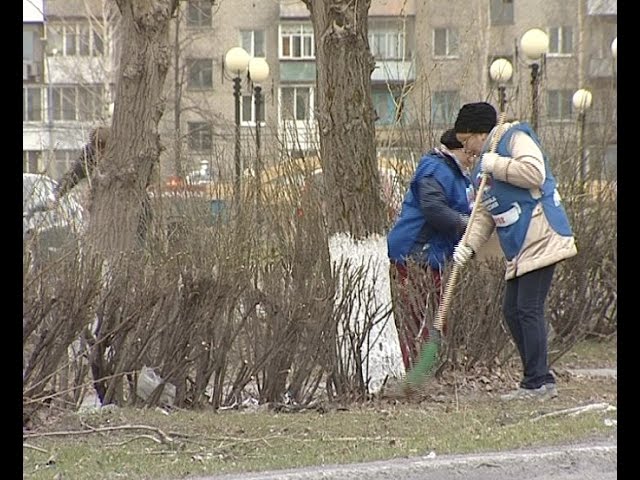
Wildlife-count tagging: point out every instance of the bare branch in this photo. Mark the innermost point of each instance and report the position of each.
(164, 438)
(33, 447)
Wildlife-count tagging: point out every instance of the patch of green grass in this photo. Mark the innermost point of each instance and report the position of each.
(591, 354)
(208, 442)
(205, 442)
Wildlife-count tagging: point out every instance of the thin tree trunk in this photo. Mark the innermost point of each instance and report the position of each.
(346, 117)
(177, 110)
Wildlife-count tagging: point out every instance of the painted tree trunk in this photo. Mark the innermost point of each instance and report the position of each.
(119, 186)
(356, 212)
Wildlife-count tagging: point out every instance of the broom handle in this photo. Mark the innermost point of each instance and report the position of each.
(453, 278)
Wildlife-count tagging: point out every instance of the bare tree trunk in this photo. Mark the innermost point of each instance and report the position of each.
(177, 109)
(119, 187)
(118, 196)
(346, 117)
(356, 215)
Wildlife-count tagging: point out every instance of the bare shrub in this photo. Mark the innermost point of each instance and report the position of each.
(476, 333)
(584, 300)
(58, 291)
(247, 303)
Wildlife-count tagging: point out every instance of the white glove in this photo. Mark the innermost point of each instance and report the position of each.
(488, 162)
(462, 254)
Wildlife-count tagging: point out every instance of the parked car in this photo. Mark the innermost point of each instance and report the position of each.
(45, 230)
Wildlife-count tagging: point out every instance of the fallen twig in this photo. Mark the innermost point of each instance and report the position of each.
(576, 410)
(120, 444)
(33, 447)
(164, 438)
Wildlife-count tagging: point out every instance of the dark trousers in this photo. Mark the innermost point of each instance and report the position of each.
(523, 309)
(416, 291)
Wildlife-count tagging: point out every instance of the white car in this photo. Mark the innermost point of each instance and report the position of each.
(42, 227)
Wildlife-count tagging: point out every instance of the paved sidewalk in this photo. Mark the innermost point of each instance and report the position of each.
(594, 372)
(596, 461)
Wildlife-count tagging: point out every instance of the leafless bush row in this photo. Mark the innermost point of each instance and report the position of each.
(246, 304)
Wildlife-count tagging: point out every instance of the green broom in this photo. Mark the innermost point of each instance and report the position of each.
(428, 358)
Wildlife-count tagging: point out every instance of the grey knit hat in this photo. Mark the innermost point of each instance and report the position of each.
(478, 117)
(449, 140)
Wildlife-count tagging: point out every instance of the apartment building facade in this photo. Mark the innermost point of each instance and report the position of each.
(70, 46)
(431, 57)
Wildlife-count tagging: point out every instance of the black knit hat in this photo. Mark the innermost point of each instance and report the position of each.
(478, 117)
(449, 140)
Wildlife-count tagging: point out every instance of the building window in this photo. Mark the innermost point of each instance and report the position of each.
(253, 42)
(98, 45)
(248, 110)
(444, 107)
(199, 13)
(296, 41)
(31, 161)
(70, 41)
(28, 41)
(387, 44)
(560, 41)
(501, 12)
(610, 162)
(63, 103)
(72, 103)
(388, 105)
(445, 42)
(559, 105)
(75, 39)
(200, 73)
(295, 103)
(200, 136)
(62, 161)
(84, 40)
(91, 102)
(31, 104)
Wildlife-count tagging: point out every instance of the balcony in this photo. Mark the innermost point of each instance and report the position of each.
(602, 7)
(393, 71)
(298, 71)
(600, 68)
(78, 70)
(379, 8)
(290, 9)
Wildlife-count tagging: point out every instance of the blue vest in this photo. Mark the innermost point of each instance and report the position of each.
(513, 206)
(404, 239)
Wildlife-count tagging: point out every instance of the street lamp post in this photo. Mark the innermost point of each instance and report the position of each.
(582, 102)
(535, 44)
(614, 49)
(501, 72)
(614, 54)
(236, 61)
(258, 73)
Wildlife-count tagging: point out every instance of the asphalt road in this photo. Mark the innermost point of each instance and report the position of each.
(593, 461)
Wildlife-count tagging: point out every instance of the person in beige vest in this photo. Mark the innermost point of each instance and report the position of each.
(522, 204)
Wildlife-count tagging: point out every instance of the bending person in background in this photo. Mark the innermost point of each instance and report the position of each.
(434, 214)
(84, 167)
(85, 164)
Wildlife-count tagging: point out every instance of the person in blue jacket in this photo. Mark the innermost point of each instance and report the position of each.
(522, 204)
(434, 214)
